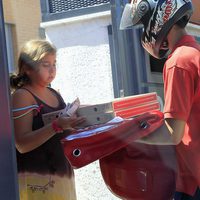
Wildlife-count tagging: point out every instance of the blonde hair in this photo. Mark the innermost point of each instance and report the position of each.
(30, 55)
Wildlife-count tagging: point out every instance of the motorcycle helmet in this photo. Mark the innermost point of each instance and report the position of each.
(157, 17)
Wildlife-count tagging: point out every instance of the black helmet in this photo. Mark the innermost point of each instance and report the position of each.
(158, 17)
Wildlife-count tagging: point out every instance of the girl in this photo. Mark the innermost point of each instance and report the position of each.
(43, 171)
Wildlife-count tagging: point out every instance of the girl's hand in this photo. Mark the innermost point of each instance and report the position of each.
(69, 122)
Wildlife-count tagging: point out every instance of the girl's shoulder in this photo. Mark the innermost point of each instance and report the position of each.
(21, 93)
(22, 97)
(22, 103)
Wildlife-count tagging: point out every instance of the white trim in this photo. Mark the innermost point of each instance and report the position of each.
(75, 19)
(9, 47)
(193, 29)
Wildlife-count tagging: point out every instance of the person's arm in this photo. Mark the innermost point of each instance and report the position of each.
(170, 133)
(26, 139)
(179, 89)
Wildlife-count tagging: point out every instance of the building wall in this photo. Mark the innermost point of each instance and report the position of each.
(83, 58)
(25, 17)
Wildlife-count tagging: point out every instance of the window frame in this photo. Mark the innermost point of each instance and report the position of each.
(48, 16)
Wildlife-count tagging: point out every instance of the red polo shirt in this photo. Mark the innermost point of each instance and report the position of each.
(182, 101)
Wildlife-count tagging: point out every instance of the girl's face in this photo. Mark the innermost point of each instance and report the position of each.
(46, 71)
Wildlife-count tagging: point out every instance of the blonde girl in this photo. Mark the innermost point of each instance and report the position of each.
(44, 172)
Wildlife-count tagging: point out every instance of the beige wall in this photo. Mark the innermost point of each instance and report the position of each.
(196, 15)
(25, 16)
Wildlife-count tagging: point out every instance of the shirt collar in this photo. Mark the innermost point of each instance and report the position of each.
(185, 39)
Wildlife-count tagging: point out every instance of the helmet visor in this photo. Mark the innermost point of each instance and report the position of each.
(129, 16)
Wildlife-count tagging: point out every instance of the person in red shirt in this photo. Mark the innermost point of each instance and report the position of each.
(164, 34)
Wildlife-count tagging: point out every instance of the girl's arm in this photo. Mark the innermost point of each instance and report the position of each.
(26, 139)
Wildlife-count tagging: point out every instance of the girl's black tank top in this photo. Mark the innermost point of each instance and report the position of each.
(48, 158)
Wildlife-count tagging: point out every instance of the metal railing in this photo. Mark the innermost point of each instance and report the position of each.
(57, 6)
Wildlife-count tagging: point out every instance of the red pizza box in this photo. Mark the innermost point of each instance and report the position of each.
(137, 110)
(125, 107)
(134, 101)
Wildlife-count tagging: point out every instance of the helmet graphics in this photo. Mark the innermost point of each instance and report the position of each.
(157, 17)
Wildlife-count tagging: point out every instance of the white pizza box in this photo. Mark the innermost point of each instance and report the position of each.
(98, 118)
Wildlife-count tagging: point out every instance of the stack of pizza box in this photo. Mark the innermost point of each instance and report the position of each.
(125, 107)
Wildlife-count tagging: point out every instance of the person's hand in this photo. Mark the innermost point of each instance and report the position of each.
(69, 122)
